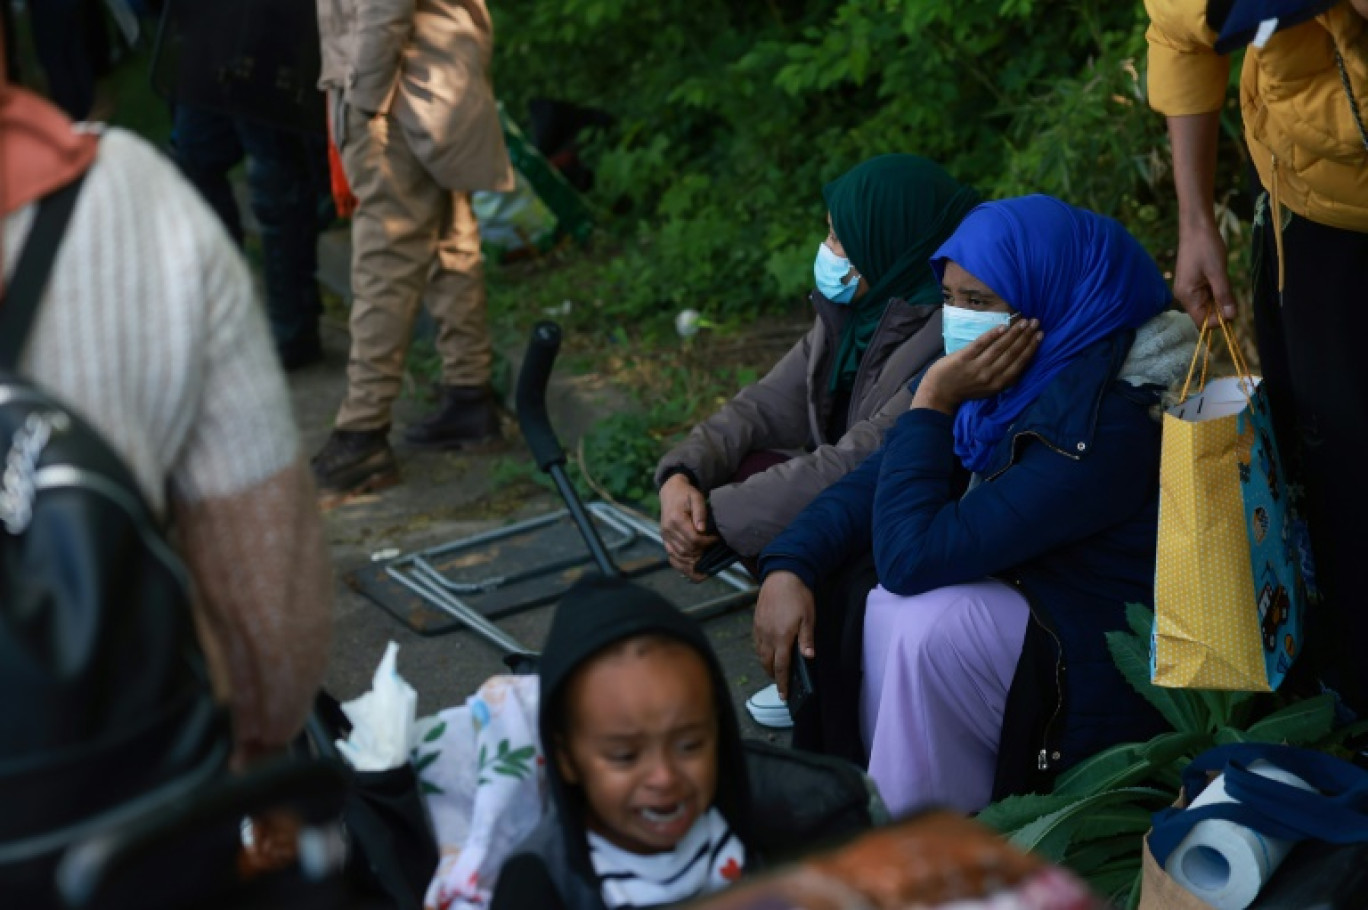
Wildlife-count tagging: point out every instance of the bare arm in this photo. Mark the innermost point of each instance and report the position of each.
(264, 602)
(1200, 279)
(247, 517)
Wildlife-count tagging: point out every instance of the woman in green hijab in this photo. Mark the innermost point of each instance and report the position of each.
(744, 473)
(887, 216)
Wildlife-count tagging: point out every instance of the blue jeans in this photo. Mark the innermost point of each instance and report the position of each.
(286, 173)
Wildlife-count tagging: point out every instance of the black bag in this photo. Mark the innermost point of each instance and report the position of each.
(393, 851)
(105, 705)
(800, 800)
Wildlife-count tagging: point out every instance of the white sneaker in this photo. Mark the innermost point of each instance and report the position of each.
(768, 709)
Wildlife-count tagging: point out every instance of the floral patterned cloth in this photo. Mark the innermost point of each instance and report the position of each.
(481, 769)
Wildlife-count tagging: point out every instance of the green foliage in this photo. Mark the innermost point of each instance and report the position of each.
(731, 116)
(1099, 810)
(620, 454)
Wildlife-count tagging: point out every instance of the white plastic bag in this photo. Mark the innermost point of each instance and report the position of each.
(382, 719)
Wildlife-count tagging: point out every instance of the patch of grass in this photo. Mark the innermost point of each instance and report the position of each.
(674, 383)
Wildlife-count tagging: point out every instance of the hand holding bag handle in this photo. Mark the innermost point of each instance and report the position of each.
(1337, 812)
(1203, 351)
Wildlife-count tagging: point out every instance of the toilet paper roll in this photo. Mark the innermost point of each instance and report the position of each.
(1223, 863)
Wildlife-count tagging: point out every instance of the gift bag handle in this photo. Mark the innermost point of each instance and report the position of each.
(1336, 811)
(1203, 351)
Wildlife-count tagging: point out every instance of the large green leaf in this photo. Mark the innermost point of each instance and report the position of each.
(1132, 659)
(1169, 779)
(1007, 815)
(1091, 774)
(1170, 747)
(1129, 763)
(1097, 856)
(1297, 724)
(1122, 819)
(1140, 618)
(1119, 884)
(1050, 835)
(1228, 735)
(1223, 708)
(1339, 737)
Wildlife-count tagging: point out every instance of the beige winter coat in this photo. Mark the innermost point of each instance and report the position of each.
(789, 410)
(426, 63)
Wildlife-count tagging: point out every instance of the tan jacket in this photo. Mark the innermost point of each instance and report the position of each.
(1297, 117)
(789, 410)
(426, 62)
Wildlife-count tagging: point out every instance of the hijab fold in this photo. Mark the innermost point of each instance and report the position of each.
(1081, 274)
(890, 213)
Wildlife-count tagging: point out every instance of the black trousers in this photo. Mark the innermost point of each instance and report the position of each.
(829, 721)
(1314, 360)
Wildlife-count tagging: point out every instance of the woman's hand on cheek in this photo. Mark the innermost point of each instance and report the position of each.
(784, 611)
(983, 368)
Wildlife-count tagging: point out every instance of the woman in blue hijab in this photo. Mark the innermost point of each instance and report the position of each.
(1012, 513)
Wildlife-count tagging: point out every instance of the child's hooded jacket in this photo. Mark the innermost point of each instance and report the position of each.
(552, 868)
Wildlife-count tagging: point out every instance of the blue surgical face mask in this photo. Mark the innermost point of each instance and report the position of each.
(961, 325)
(828, 270)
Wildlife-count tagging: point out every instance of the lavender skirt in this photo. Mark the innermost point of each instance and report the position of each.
(937, 667)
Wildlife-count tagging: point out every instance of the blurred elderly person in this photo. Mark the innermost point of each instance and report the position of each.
(148, 330)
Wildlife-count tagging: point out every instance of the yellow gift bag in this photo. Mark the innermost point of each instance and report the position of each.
(1229, 589)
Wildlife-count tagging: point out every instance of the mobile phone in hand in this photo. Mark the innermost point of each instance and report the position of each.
(800, 687)
(717, 557)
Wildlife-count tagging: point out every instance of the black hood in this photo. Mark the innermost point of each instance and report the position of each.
(598, 612)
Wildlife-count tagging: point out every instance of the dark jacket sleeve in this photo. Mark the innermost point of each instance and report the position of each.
(769, 414)
(525, 883)
(833, 529)
(926, 538)
(752, 513)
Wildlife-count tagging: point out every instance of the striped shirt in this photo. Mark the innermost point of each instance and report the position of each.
(708, 858)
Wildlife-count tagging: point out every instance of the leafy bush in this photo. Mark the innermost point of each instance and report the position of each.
(731, 116)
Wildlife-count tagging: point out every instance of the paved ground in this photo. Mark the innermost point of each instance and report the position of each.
(446, 496)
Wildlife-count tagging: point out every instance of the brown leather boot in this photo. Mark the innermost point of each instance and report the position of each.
(467, 418)
(355, 461)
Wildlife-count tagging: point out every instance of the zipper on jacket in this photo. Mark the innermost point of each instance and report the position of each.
(1012, 460)
(1045, 756)
(819, 379)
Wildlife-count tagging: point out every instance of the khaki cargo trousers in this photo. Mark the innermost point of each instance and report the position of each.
(413, 243)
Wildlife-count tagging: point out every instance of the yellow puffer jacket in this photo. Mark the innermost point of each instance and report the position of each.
(1297, 119)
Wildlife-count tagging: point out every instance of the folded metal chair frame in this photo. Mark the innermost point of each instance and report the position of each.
(418, 571)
